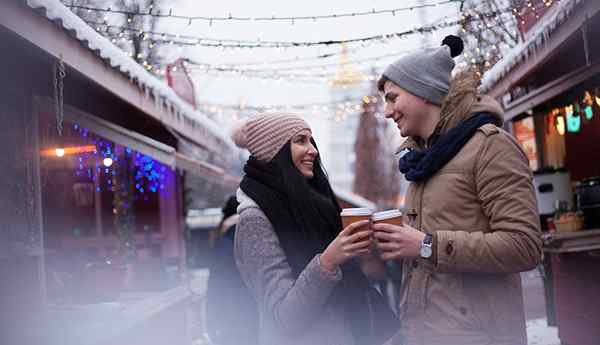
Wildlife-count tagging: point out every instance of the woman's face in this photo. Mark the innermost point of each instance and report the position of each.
(304, 153)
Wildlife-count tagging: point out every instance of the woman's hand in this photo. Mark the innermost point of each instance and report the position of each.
(354, 240)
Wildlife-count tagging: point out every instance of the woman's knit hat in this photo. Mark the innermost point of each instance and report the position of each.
(265, 135)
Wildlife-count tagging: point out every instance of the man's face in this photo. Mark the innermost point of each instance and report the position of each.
(404, 108)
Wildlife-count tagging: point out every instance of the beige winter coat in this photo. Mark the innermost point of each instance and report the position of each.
(482, 211)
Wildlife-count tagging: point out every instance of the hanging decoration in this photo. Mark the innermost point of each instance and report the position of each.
(100, 160)
(116, 32)
(59, 74)
(559, 121)
(235, 68)
(337, 111)
(587, 105)
(271, 18)
(573, 118)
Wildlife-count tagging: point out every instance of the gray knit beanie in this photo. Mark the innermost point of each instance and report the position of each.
(265, 135)
(426, 74)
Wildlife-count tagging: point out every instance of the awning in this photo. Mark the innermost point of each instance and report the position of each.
(145, 145)
(206, 170)
(197, 167)
(119, 135)
(550, 91)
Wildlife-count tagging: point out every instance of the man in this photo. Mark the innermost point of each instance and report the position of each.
(471, 222)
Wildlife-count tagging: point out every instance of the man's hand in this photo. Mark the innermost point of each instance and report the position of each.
(398, 242)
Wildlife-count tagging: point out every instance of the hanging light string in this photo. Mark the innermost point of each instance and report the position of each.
(295, 59)
(186, 40)
(152, 12)
(192, 65)
(291, 77)
(236, 68)
(335, 111)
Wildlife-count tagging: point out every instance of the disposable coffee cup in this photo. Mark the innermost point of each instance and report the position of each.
(353, 215)
(393, 217)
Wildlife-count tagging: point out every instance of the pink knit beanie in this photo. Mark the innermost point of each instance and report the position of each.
(265, 135)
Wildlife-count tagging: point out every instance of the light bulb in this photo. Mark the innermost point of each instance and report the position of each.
(107, 162)
(60, 152)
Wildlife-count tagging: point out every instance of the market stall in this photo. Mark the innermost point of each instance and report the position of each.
(550, 89)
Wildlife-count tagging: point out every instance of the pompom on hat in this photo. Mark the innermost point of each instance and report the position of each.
(265, 135)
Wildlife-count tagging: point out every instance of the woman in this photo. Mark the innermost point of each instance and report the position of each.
(288, 245)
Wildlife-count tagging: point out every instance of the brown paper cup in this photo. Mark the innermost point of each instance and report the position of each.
(353, 215)
(393, 217)
(347, 220)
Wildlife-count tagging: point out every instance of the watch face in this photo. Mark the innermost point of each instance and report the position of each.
(426, 251)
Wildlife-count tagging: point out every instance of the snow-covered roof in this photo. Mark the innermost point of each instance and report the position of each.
(164, 97)
(539, 35)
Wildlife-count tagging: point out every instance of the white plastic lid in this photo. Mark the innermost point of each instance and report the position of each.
(386, 215)
(356, 212)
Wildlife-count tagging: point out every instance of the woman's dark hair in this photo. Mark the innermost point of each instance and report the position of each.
(230, 207)
(310, 198)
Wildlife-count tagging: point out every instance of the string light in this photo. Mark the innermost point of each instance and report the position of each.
(185, 40)
(273, 18)
(149, 174)
(333, 111)
(237, 68)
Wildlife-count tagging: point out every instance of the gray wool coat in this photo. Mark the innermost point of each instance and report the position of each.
(292, 311)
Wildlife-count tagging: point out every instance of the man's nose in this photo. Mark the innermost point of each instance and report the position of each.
(388, 111)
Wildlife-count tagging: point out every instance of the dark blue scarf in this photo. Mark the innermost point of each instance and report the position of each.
(420, 165)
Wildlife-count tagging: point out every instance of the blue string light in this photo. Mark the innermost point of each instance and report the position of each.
(149, 174)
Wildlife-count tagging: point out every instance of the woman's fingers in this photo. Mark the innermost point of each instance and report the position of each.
(359, 236)
(354, 226)
(358, 246)
(362, 252)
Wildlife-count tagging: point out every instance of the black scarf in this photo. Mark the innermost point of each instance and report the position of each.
(305, 223)
(420, 165)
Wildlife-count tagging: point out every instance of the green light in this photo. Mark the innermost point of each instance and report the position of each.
(573, 120)
(589, 112)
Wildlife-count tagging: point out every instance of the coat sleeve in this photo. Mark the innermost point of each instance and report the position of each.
(291, 302)
(505, 189)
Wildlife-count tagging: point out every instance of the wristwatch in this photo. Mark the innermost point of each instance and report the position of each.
(426, 250)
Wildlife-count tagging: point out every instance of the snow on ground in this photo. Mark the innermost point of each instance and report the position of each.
(538, 333)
